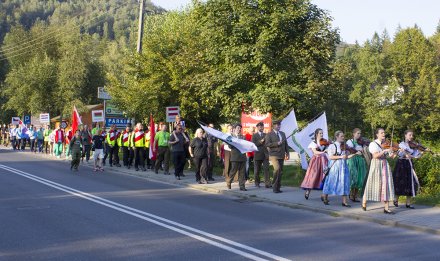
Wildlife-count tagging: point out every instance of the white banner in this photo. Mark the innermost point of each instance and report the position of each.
(15, 120)
(242, 145)
(289, 126)
(303, 138)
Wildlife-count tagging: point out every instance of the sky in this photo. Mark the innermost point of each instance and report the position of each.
(357, 20)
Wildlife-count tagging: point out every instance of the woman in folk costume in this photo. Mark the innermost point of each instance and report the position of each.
(357, 166)
(338, 180)
(405, 179)
(315, 171)
(379, 186)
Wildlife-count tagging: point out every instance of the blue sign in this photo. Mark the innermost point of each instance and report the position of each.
(119, 122)
(26, 119)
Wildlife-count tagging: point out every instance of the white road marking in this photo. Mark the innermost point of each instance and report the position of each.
(160, 221)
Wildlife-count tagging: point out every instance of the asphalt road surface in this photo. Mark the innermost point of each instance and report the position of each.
(48, 212)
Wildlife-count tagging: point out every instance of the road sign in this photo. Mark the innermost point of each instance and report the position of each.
(27, 119)
(63, 125)
(97, 116)
(112, 110)
(44, 118)
(119, 122)
(15, 120)
(102, 94)
(172, 112)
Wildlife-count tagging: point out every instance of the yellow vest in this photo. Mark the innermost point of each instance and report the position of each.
(124, 139)
(111, 138)
(147, 140)
(139, 139)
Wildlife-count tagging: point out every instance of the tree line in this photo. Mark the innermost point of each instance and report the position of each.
(217, 57)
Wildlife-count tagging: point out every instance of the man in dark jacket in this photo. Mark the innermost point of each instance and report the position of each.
(278, 151)
(238, 162)
(261, 157)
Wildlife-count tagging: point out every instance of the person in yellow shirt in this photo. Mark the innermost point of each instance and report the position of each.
(139, 147)
(124, 144)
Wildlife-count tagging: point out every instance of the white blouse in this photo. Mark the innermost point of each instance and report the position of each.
(374, 147)
(334, 149)
(357, 147)
(313, 145)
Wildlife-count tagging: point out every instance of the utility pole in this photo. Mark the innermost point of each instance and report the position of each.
(141, 26)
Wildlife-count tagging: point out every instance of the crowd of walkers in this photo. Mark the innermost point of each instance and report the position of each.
(353, 168)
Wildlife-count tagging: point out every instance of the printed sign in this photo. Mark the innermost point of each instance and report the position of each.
(27, 119)
(63, 125)
(44, 118)
(172, 112)
(15, 120)
(98, 116)
(112, 110)
(250, 120)
(119, 122)
(102, 94)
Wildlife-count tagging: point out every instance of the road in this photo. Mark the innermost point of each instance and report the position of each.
(48, 212)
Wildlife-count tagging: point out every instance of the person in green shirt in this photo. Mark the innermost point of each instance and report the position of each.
(95, 129)
(46, 134)
(162, 138)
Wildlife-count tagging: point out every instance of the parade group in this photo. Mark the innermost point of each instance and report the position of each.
(352, 168)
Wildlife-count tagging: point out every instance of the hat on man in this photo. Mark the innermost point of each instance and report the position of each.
(260, 124)
(237, 125)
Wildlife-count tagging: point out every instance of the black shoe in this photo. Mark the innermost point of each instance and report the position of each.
(257, 185)
(200, 182)
(128, 167)
(228, 186)
(111, 165)
(364, 208)
(307, 194)
(346, 205)
(182, 175)
(389, 212)
(118, 165)
(326, 202)
(157, 172)
(144, 169)
(243, 189)
(177, 177)
(137, 169)
(71, 168)
(211, 179)
(323, 199)
(278, 191)
(396, 203)
(409, 206)
(268, 186)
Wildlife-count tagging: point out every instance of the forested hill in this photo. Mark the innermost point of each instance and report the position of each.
(110, 18)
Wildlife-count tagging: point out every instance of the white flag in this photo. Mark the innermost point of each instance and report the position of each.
(242, 145)
(290, 127)
(303, 138)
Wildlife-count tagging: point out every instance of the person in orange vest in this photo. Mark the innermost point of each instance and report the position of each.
(139, 147)
(112, 137)
(124, 144)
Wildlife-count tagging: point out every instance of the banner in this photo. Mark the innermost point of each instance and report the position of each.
(303, 138)
(171, 113)
(289, 126)
(242, 145)
(15, 120)
(250, 120)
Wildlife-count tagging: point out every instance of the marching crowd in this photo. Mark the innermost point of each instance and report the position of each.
(351, 169)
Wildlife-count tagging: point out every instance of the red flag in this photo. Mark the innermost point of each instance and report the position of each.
(152, 134)
(76, 120)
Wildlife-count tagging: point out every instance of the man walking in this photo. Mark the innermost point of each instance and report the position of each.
(139, 147)
(261, 157)
(59, 142)
(278, 151)
(238, 162)
(178, 141)
(112, 146)
(124, 141)
(163, 154)
(46, 134)
(86, 138)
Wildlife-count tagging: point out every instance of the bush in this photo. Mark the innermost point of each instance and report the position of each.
(428, 172)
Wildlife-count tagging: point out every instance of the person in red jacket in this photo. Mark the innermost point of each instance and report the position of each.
(249, 155)
(68, 138)
(59, 142)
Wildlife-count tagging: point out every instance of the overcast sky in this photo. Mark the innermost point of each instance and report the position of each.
(359, 19)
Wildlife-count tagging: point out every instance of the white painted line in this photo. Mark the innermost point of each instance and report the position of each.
(177, 227)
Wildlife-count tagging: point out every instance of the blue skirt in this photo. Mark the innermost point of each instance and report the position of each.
(338, 179)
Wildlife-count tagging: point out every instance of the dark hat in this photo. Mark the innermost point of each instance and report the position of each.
(260, 124)
(276, 123)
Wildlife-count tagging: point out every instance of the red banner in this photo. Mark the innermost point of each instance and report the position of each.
(250, 120)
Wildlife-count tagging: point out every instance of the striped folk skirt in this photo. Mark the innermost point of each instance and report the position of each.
(379, 185)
